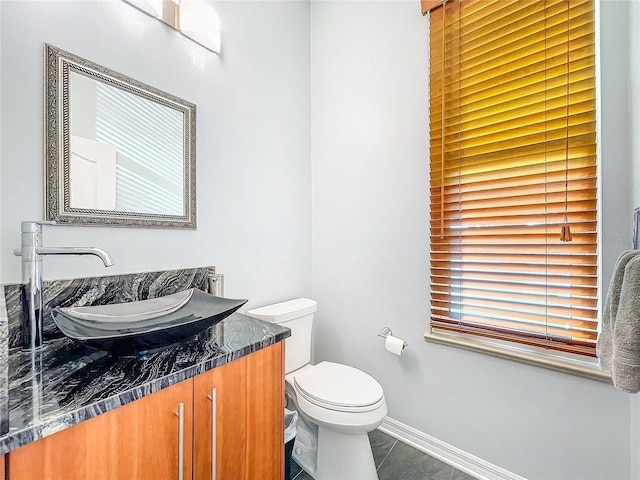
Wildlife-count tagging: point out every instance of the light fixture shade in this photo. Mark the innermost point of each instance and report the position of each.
(150, 7)
(200, 22)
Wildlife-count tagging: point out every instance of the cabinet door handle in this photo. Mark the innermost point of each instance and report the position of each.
(180, 415)
(214, 435)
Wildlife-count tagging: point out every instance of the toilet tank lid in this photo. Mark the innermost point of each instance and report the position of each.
(285, 311)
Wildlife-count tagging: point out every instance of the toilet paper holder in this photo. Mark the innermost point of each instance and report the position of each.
(386, 331)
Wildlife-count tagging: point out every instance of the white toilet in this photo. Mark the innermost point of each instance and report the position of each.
(337, 404)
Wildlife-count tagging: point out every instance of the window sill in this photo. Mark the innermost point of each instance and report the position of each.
(559, 361)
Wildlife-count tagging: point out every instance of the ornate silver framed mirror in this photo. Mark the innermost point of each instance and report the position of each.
(118, 152)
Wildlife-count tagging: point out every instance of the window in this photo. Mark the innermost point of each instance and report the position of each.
(513, 158)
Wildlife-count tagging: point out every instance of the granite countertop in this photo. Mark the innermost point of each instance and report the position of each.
(65, 383)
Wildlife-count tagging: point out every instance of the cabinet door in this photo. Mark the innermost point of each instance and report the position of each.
(220, 434)
(248, 419)
(265, 414)
(140, 440)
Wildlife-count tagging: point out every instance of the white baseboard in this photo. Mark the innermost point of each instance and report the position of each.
(455, 457)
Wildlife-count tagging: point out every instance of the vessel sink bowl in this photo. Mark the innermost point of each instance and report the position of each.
(134, 328)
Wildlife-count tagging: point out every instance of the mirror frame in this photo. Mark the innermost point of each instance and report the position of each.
(58, 64)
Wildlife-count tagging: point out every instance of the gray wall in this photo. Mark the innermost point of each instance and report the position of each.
(1, 245)
(370, 252)
(253, 167)
(634, 154)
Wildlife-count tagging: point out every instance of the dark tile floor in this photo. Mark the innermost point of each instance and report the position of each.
(398, 461)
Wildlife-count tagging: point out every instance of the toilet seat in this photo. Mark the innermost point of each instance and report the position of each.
(339, 387)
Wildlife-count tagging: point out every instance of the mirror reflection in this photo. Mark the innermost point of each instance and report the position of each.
(128, 150)
(126, 153)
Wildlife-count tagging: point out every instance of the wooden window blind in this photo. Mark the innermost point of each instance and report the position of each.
(513, 150)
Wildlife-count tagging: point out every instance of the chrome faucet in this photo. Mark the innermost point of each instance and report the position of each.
(31, 251)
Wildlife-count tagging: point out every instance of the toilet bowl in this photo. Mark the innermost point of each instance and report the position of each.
(337, 404)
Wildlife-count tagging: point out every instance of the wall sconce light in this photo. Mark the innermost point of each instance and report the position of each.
(150, 7)
(200, 22)
(195, 19)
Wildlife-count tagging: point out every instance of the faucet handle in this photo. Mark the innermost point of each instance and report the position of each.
(34, 226)
(31, 228)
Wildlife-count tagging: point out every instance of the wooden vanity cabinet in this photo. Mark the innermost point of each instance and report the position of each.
(241, 405)
(140, 440)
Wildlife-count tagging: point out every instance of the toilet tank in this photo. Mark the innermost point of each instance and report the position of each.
(298, 316)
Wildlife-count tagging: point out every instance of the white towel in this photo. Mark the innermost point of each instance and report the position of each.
(625, 342)
(604, 345)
